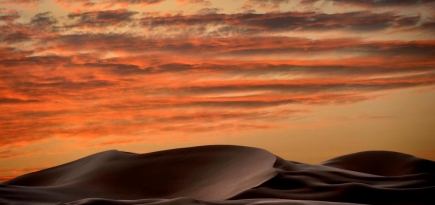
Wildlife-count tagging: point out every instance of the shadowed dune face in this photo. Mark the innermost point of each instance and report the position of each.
(382, 163)
(189, 201)
(209, 173)
(321, 182)
(216, 175)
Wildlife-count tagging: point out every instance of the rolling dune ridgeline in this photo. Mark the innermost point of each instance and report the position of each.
(224, 174)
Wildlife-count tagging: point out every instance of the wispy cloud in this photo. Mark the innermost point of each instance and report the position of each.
(196, 2)
(264, 4)
(250, 23)
(106, 4)
(101, 18)
(107, 73)
(378, 3)
(8, 15)
(32, 3)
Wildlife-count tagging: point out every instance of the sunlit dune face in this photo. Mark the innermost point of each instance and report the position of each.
(292, 77)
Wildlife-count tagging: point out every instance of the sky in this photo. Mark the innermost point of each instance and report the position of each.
(307, 80)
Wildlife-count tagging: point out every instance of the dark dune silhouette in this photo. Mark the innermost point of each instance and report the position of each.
(222, 174)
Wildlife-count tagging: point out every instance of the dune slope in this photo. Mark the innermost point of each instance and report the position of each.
(209, 173)
(297, 181)
(221, 174)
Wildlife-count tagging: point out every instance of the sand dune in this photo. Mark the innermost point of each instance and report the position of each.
(234, 175)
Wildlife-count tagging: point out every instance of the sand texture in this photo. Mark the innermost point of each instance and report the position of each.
(227, 175)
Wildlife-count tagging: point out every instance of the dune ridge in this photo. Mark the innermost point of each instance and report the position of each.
(224, 174)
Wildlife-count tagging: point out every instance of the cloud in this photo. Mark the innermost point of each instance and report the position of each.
(102, 18)
(8, 15)
(429, 24)
(309, 1)
(263, 4)
(15, 101)
(206, 11)
(113, 75)
(250, 23)
(207, 23)
(105, 4)
(159, 104)
(43, 20)
(312, 86)
(40, 25)
(7, 154)
(197, 2)
(382, 3)
(210, 48)
(21, 2)
(11, 33)
(9, 53)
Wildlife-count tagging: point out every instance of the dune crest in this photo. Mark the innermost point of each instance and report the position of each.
(383, 163)
(207, 172)
(223, 175)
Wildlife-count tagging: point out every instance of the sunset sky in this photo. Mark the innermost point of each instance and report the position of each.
(307, 80)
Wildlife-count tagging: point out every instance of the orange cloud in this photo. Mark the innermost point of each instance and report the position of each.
(26, 3)
(74, 5)
(253, 23)
(6, 154)
(378, 3)
(8, 15)
(160, 75)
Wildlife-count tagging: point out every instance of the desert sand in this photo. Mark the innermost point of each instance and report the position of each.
(227, 175)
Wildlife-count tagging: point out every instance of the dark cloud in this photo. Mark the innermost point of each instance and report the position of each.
(205, 11)
(301, 86)
(244, 46)
(35, 61)
(407, 21)
(255, 69)
(41, 25)
(11, 33)
(287, 21)
(383, 2)
(208, 22)
(10, 53)
(395, 57)
(201, 2)
(43, 20)
(239, 102)
(67, 88)
(429, 25)
(15, 101)
(272, 4)
(309, 1)
(8, 15)
(18, 76)
(120, 69)
(102, 18)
